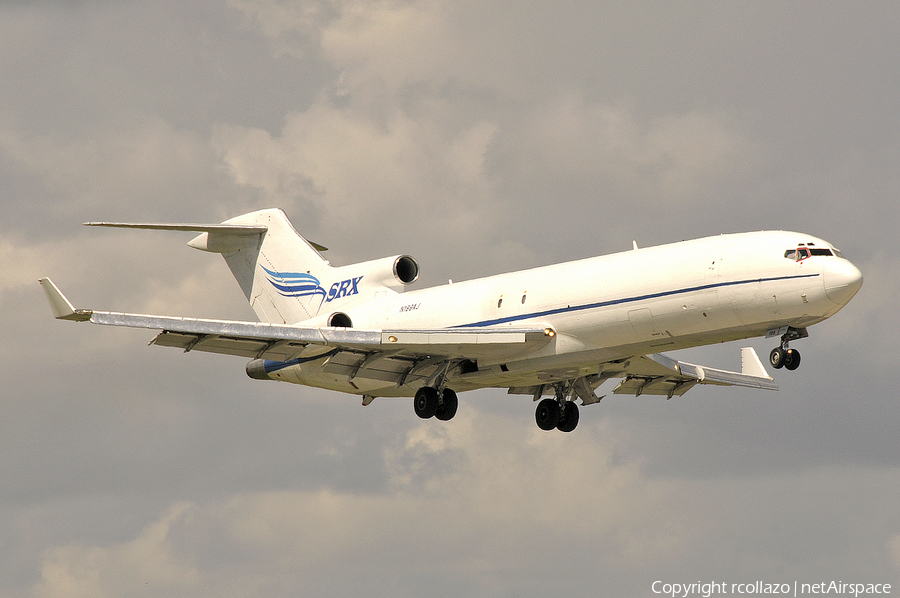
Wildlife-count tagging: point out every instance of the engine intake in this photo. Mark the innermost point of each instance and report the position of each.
(340, 320)
(406, 269)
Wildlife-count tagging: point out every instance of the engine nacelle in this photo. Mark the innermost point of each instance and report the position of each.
(346, 287)
(256, 369)
(393, 272)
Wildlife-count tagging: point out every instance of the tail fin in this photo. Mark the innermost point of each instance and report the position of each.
(257, 260)
(282, 274)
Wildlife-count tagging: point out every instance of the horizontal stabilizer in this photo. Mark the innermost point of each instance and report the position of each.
(217, 238)
(231, 229)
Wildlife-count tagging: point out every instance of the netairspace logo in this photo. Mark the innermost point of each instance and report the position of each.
(721, 588)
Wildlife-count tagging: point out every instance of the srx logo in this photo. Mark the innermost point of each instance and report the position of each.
(345, 288)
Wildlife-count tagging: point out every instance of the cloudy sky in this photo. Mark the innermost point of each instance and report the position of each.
(478, 137)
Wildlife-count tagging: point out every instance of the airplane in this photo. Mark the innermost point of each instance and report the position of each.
(555, 333)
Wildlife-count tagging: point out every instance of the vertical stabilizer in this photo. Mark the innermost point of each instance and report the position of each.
(284, 277)
(278, 270)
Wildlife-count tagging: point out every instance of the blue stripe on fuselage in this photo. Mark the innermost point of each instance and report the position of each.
(574, 308)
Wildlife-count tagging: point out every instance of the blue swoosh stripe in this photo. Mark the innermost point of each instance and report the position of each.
(295, 284)
(297, 288)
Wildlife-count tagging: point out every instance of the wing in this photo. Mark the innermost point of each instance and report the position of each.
(396, 357)
(661, 375)
(655, 374)
(282, 343)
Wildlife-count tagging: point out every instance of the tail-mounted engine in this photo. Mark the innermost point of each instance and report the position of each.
(346, 287)
(395, 272)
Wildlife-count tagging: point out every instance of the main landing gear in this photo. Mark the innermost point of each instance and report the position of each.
(430, 403)
(783, 356)
(557, 413)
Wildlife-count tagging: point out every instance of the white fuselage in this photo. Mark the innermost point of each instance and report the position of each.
(636, 302)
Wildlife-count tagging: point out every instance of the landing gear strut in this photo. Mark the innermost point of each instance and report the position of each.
(783, 356)
(557, 413)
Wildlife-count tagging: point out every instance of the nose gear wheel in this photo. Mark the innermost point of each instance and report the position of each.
(784, 356)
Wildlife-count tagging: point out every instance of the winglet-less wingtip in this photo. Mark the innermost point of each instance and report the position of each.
(62, 309)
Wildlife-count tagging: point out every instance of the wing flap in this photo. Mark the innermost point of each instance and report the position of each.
(274, 350)
(465, 342)
(377, 367)
(660, 386)
(210, 343)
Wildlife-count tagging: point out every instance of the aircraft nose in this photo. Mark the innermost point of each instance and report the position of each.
(842, 280)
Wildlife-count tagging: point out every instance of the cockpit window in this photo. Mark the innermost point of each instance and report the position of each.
(802, 252)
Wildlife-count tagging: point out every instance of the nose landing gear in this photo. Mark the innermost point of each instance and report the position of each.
(783, 356)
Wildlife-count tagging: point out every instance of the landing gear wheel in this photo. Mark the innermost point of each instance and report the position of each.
(568, 417)
(777, 358)
(547, 414)
(792, 359)
(426, 402)
(451, 402)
